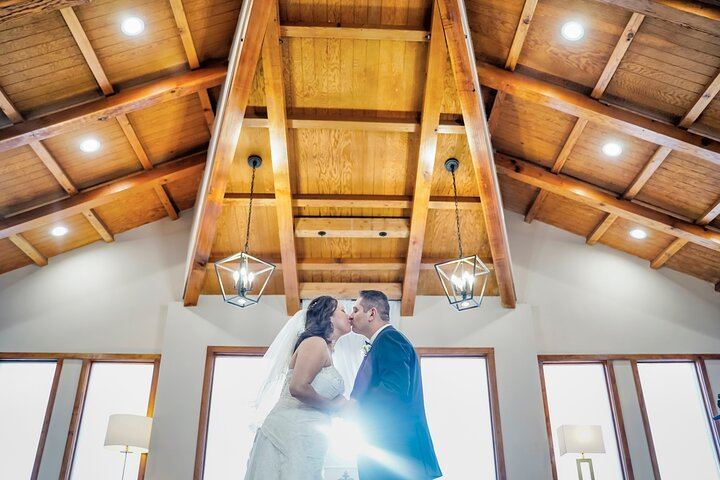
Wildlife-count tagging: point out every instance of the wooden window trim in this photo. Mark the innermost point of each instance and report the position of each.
(80, 396)
(613, 399)
(48, 410)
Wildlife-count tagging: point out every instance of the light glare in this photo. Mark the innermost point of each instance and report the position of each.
(638, 233)
(572, 31)
(90, 145)
(59, 231)
(132, 26)
(612, 149)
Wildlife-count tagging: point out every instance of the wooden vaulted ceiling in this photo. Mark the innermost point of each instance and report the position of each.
(355, 105)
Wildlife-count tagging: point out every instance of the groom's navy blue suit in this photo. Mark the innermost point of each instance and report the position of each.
(388, 389)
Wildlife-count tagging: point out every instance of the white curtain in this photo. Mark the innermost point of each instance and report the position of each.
(349, 349)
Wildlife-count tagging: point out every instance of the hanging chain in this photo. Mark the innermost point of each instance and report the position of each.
(457, 215)
(252, 189)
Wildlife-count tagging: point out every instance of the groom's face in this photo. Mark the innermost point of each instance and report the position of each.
(359, 319)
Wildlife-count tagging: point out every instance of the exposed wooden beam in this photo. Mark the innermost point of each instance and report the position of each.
(277, 119)
(12, 9)
(356, 201)
(427, 149)
(55, 169)
(28, 249)
(702, 103)
(618, 53)
(695, 15)
(590, 195)
(110, 192)
(581, 106)
(355, 264)
(535, 207)
(569, 144)
(100, 111)
(244, 55)
(86, 49)
(8, 108)
(185, 34)
(462, 58)
(207, 108)
(349, 227)
(358, 123)
(167, 202)
(98, 225)
(710, 214)
(497, 105)
(668, 252)
(601, 228)
(648, 169)
(520, 33)
(388, 33)
(348, 291)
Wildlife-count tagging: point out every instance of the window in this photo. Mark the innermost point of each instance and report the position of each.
(112, 387)
(463, 435)
(678, 420)
(577, 394)
(27, 388)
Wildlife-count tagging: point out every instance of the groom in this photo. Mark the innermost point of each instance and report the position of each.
(389, 395)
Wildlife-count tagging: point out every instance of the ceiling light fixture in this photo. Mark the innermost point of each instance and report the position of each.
(90, 145)
(132, 26)
(59, 231)
(638, 233)
(612, 149)
(572, 31)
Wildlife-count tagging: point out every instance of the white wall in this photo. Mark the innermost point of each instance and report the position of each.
(124, 297)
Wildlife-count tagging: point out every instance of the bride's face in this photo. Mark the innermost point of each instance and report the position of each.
(340, 321)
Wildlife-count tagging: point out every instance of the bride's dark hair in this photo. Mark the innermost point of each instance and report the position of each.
(317, 319)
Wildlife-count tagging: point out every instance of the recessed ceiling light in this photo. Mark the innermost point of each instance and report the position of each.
(59, 231)
(90, 145)
(132, 26)
(612, 149)
(638, 233)
(572, 31)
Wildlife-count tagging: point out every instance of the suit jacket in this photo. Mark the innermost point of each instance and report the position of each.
(388, 389)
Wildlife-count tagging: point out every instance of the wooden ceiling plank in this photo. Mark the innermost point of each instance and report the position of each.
(535, 207)
(98, 225)
(13, 9)
(277, 119)
(55, 169)
(462, 58)
(590, 195)
(86, 49)
(618, 53)
(647, 171)
(694, 15)
(667, 253)
(28, 249)
(101, 110)
(386, 33)
(702, 103)
(494, 119)
(185, 34)
(8, 108)
(710, 214)
(348, 291)
(600, 229)
(102, 195)
(427, 149)
(581, 106)
(520, 33)
(351, 227)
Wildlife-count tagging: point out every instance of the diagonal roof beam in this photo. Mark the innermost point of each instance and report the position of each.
(244, 55)
(702, 103)
(432, 103)
(626, 38)
(689, 14)
(462, 58)
(277, 119)
(520, 33)
(29, 250)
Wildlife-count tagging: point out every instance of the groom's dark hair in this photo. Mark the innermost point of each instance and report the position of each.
(378, 300)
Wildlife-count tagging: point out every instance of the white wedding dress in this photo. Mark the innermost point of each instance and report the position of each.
(290, 444)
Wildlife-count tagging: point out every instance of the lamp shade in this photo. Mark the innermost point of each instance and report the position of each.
(580, 439)
(128, 431)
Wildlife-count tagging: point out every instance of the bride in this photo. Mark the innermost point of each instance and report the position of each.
(290, 444)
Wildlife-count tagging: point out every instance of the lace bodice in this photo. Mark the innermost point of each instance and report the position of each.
(328, 383)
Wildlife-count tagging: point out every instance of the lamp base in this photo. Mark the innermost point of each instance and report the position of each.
(579, 463)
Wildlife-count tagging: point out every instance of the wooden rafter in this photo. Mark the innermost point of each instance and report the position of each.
(348, 290)
(618, 53)
(536, 205)
(520, 33)
(350, 227)
(648, 169)
(462, 58)
(356, 201)
(342, 122)
(569, 144)
(427, 148)
(244, 55)
(28, 249)
(689, 14)
(497, 106)
(590, 195)
(581, 106)
(9, 109)
(98, 225)
(702, 103)
(601, 228)
(86, 49)
(387, 33)
(710, 214)
(110, 192)
(356, 264)
(668, 252)
(13, 9)
(277, 119)
(100, 111)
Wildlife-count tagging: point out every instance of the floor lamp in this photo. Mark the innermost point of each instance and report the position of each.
(581, 439)
(128, 434)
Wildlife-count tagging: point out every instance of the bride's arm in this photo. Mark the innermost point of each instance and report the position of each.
(312, 356)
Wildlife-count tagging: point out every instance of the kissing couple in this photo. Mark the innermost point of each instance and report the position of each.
(386, 400)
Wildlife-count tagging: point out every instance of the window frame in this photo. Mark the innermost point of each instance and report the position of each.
(214, 352)
(32, 358)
